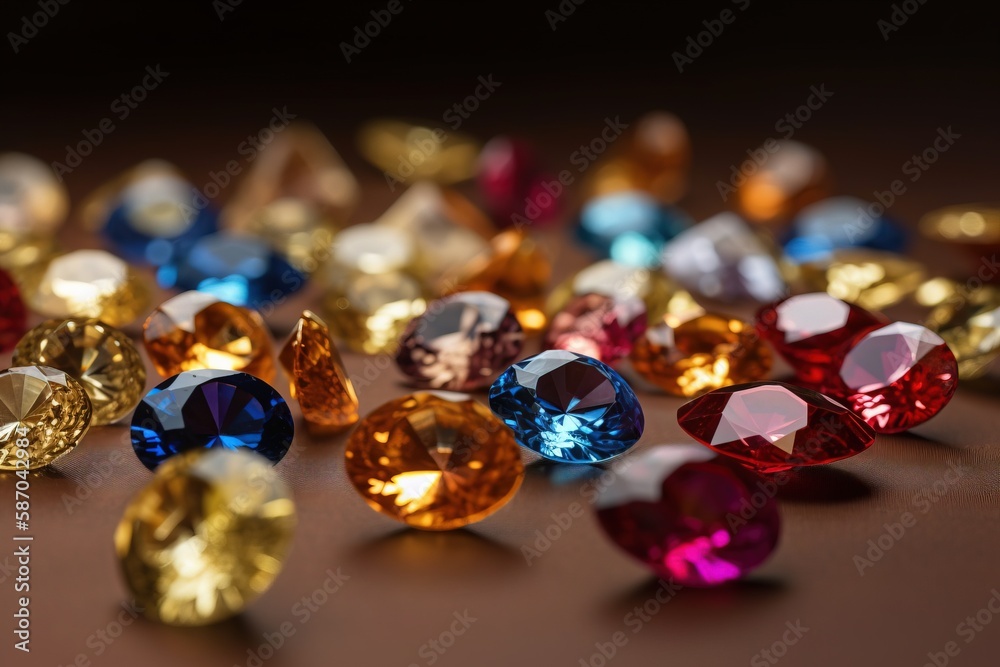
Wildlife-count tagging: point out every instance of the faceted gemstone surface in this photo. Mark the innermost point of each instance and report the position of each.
(101, 358)
(897, 377)
(771, 426)
(970, 325)
(195, 331)
(722, 258)
(408, 152)
(434, 460)
(813, 331)
(629, 227)
(690, 356)
(44, 408)
(13, 315)
(461, 342)
(205, 537)
(211, 409)
(296, 229)
(598, 326)
(672, 506)
(316, 377)
(568, 407)
(510, 180)
(869, 278)
(791, 176)
(32, 201)
(90, 283)
(374, 309)
(840, 222)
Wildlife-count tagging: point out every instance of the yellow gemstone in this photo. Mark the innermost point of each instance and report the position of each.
(407, 152)
(26, 258)
(791, 176)
(296, 229)
(871, 279)
(90, 283)
(372, 310)
(317, 378)
(935, 291)
(195, 331)
(970, 324)
(101, 358)
(206, 537)
(434, 460)
(968, 224)
(32, 201)
(43, 415)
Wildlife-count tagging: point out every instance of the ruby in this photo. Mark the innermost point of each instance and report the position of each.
(13, 316)
(813, 331)
(599, 326)
(772, 426)
(511, 182)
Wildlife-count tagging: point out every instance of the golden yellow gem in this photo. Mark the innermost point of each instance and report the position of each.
(296, 229)
(372, 311)
(791, 176)
(101, 358)
(871, 279)
(408, 152)
(207, 536)
(967, 224)
(969, 322)
(43, 415)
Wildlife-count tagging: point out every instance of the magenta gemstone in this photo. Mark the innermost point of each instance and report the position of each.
(512, 184)
(13, 315)
(688, 516)
(599, 326)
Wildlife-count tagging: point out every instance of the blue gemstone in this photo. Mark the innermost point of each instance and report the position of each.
(630, 227)
(243, 270)
(211, 409)
(841, 222)
(568, 407)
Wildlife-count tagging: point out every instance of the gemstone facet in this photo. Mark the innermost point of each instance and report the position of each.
(630, 227)
(598, 326)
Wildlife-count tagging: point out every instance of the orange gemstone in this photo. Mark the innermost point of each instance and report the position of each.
(195, 331)
(316, 377)
(690, 357)
(434, 460)
(791, 176)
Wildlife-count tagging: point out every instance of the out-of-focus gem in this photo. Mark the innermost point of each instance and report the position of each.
(207, 536)
(13, 316)
(511, 182)
(408, 152)
(688, 357)
(869, 278)
(972, 225)
(372, 249)
(296, 230)
(211, 409)
(372, 311)
(90, 283)
(194, 331)
(101, 358)
(43, 409)
(970, 324)
(790, 175)
(568, 407)
(26, 258)
(935, 291)
(462, 342)
(435, 461)
(32, 201)
(630, 227)
(770, 426)
(599, 326)
(316, 377)
(841, 222)
(672, 507)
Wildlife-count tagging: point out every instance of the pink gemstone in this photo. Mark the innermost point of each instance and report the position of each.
(673, 508)
(512, 184)
(599, 326)
(462, 342)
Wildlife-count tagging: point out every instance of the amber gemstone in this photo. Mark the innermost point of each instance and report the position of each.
(434, 460)
(195, 331)
(792, 175)
(598, 326)
(317, 378)
(869, 278)
(970, 324)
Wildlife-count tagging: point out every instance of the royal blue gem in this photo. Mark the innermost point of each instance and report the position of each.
(242, 270)
(211, 409)
(568, 407)
(630, 227)
(841, 222)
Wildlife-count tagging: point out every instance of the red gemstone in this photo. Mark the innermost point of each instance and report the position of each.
(896, 377)
(599, 326)
(672, 507)
(772, 426)
(13, 316)
(813, 331)
(512, 184)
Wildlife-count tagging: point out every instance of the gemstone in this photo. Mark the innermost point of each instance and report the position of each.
(90, 283)
(317, 379)
(99, 204)
(687, 516)
(813, 331)
(599, 326)
(771, 426)
(408, 152)
(869, 278)
(896, 377)
(211, 409)
(27, 257)
(32, 200)
(43, 409)
(722, 258)
(13, 316)
(568, 407)
(205, 537)
(791, 175)
(462, 342)
(101, 358)
(629, 227)
(194, 331)
(243, 270)
(690, 356)
(511, 181)
(296, 229)
(970, 325)
(372, 312)
(841, 222)
(372, 249)
(970, 225)
(434, 460)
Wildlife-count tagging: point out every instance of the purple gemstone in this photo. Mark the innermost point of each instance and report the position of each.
(599, 326)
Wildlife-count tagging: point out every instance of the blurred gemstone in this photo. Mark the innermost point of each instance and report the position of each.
(205, 537)
(598, 326)
(195, 331)
(209, 409)
(44, 408)
(373, 310)
(13, 316)
(871, 279)
(629, 227)
(511, 182)
(435, 461)
(372, 249)
(461, 342)
(779, 179)
(690, 356)
(568, 407)
(841, 222)
(970, 324)
(101, 358)
(976, 226)
(317, 379)
(691, 519)
(25, 258)
(407, 152)
(771, 426)
(295, 229)
(32, 201)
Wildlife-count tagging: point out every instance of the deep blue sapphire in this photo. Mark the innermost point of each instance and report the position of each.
(211, 409)
(630, 227)
(568, 407)
(841, 222)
